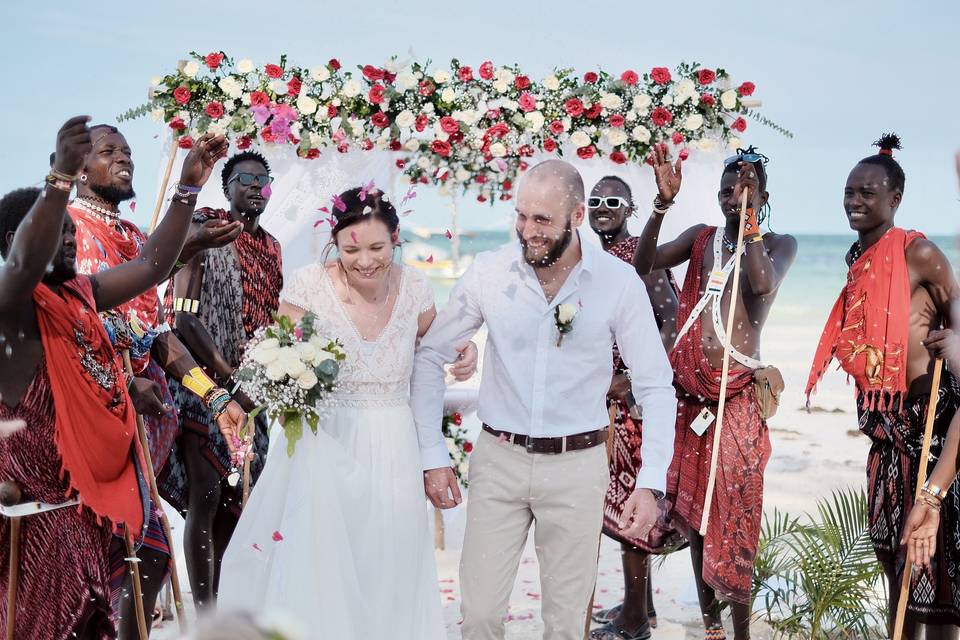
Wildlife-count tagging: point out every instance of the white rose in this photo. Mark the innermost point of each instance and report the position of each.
(279, 87)
(551, 83)
(706, 144)
(269, 343)
(428, 108)
(497, 150)
(641, 102)
(405, 81)
(440, 77)
(406, 119)
(307, 380)
(462, 175)
(275, 371)
(728, 99)
(191, 68)
(157, 115)
(693, 122)
(423, 162)
(156, 80)
(667, 101)
(566, 313)
(412, 145)
(323, 355)
(320, 73)
(306, 351)
(500, 86)
(306, 104)
(264, 356)
(467, 116)
(535, 118)
(245, 66)
(231, 87)
(579, 139)
(616, 137)
(734, 143)
(504, 75)
(640, 133)
(245, 99)
(509, 105)
(685, 89)
(217, 128)
(294, 367)
(610, 101)
(351, 88)
(448, 95)
(316, 140)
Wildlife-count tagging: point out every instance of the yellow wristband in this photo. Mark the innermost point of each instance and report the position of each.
(198, 382)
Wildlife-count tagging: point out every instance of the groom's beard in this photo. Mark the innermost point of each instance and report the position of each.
(554, 251)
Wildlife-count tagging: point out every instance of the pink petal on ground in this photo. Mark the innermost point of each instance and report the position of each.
(430, 259)
(277, 537)
(446, 590)
(256, 546)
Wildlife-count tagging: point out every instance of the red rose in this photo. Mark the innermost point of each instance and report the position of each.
(661, 117)
(371, 73)
(486, 70)
(527, 102)
(586, 152)
(182, 95)
(549, 145)
(660, 75)
(746, 89)
(684, 154)
(497, 131)
(618, 157)
(573, 107)
(506, 196)
(395, 145)
(343, 147)
(389, 77)
(185, 142)
(244, 143)
(334, 64)
(214, 110)
(449, 125)
(313, 154)
(366, 144)
(467, 447)
(177, 124)
(331, 111)
(441, 148)
(708, 99)
(590, 77)
(294, 86)
(401, 163)
(456, 138)
(456, 419)
(421, 122)
(465, 74)
(739, 125)
(481, 198)
(521, 82)
(376, 94)
(630, 76)
(526, 151)
(380, 120)
(213, 60)
(616, 120)
(507, 185)
(273, 71)
(259, 98)
(427, 87)
(593, 112)
(556, 127)
(480, 178)
(268, 135)
(677, 137)
(423, 180)
(706, 76)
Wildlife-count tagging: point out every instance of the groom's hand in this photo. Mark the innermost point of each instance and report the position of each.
(639, 514)
(441, 487)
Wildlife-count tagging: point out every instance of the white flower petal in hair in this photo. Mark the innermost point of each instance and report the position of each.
(367, 209)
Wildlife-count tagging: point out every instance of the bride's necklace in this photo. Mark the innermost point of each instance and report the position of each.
(371, 315)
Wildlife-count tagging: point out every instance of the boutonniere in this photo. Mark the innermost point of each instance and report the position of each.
(563, 315)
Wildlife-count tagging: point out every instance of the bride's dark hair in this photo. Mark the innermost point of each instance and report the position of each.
(373, 205)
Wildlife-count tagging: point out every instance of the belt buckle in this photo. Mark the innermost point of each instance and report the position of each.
(529, 445)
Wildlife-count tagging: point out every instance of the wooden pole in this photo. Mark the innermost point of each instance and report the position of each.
(137, 591)
(10, 495)
(164, 183)
(725, 375)
(921, 479)
(612, 415)
(246, 482)
(164, 522)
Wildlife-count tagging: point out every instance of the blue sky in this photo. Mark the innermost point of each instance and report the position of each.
(837, 74)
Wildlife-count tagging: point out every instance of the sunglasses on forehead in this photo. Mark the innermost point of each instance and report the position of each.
(247, 179)
(610, 202)
(750, 155)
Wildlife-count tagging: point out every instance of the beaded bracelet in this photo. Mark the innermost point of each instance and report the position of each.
(930, 502)
(659, 206)
(57, 182)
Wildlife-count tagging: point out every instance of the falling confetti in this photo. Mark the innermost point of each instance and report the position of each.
(266, 192)
(430, 259)
(449, 235)
(277, 537)
(353, 236)
(339, 204)
(256, 546)
(323, 210)
(133, 206)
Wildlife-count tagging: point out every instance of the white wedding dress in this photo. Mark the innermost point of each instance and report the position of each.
(335, 539)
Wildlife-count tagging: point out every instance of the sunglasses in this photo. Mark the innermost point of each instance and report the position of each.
(610, 202)
(247, 179)
(750, 156)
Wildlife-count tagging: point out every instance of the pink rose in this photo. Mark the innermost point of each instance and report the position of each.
(556, 127)
(677, 138)
(527, 102)
(376, 94)
(521, 82)
(549, 145)
(182, 95)
(380, 120)
(372, 74)
(616, 120)
(739, 125)
(708, 99)
(590, 77)
(630, 77)
(213, 60)
(441, 148)
(214, 110)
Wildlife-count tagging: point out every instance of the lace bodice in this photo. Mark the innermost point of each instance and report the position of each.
(375, 372)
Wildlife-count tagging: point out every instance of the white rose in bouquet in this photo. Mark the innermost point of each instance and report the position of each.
(641, 102)
(320, 73)
(616, 136)
(306, 351)
(275, 371)
(551, 83)
(245, 65)
(307, 379)
(641, 134)
(693, 122)
(610, 101)
(406, 119)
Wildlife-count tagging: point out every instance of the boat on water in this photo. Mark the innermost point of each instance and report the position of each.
(437, 263)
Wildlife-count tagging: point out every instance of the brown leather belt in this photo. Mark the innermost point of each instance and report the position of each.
(552, 445)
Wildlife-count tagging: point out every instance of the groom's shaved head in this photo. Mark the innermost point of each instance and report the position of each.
(558, 178)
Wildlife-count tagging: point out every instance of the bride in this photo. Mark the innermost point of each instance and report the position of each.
(336, 537)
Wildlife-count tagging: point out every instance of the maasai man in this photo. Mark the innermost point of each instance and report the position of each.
(217, 302)
(62, 377)
(103, 242)
(723, 561)
(610, 206)
(883, 327)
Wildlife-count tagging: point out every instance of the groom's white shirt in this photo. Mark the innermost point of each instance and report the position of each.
(531, 386)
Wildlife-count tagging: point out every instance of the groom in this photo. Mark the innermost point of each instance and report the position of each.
(543, 404)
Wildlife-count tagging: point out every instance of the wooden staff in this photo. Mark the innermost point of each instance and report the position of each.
(164, 522)
(612, 415)
(137, 591)
(10, 495)
(921, 479)
(725, 376)
(164, 183)
(246, 482)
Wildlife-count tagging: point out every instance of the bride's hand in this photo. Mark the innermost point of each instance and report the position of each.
(466, 364)
(441, 487)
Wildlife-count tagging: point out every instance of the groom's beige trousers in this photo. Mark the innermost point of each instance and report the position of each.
(510, 489)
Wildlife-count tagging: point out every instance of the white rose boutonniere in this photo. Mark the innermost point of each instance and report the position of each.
(563, 315)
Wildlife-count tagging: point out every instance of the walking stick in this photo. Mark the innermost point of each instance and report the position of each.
(921, 479)
(10, 495)
(612, 415)
(163, 184)
(164, 522)
(137, 591)
(725, 375)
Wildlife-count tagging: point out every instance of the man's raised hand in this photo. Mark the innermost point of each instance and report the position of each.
(668, 176)
(441, 487)
(199, 163)
(73, 145)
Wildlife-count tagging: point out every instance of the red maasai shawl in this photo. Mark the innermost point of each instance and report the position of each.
(868, 327)
(95, 420)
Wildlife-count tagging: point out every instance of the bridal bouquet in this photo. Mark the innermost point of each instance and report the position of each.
(289, 369)
(458, 445)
